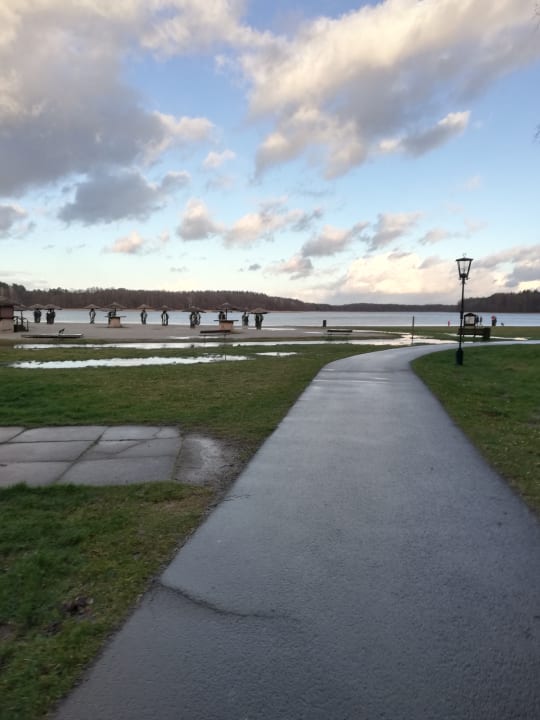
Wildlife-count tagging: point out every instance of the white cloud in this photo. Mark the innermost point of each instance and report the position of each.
(418, 143)
(385, 71)
(12, 218)
(214, 159)
(390, 227)
(106, 197)
(332, 240)
(196, 222)
(65, 107)
(296, 267)
(272, 217)
(135, 244)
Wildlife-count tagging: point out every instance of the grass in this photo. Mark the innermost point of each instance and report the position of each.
(239, 401)
(495, 398)
(75, 559)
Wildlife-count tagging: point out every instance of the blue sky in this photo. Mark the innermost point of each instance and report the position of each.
(326, 150)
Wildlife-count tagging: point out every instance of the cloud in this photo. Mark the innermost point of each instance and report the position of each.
(196, 222)
(214, 160)
(65, 107)
(517, 267)
(12, 220)
(435, 235)
(419, 143)
(106, 197)
(254, 267)
(135, 244)
(390, 227)
(382, 77)
(296, 267)
(332, 240)
(271, 218)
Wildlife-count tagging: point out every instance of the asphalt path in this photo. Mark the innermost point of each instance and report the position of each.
(366, 564)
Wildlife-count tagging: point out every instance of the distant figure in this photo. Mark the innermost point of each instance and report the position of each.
(192, 319)
(37, 315)
(50, 317)
(164, 318)
(245, 319)
(258, 320)
(493, 320)
(222, 315)
(449, 323)
(92, 314)
(111, 314)
(144, 315)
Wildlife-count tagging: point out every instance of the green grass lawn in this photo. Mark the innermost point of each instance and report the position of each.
(495, 397)
(75, 560)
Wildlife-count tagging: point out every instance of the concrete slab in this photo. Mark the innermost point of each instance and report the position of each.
(42, 451)
(138, 432)
(62, 432)
(32, 473)
(134, 448)
(120, 472)
(8, 433)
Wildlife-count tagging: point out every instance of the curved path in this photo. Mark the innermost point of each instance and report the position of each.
(366, 564)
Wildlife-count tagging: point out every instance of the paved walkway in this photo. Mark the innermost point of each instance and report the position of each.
(366, 564)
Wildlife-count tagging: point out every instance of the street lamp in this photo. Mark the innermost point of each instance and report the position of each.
(464, 267)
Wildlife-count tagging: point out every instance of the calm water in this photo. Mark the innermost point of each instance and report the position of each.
(293, 319)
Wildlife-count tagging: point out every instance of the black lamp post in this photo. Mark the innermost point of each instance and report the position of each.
(464, 267)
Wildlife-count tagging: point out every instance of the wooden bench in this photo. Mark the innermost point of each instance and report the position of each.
(484, 332)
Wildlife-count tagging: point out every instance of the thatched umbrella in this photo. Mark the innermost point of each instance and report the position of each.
(227, 308)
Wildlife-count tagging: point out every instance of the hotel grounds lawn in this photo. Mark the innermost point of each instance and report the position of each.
(75, 559)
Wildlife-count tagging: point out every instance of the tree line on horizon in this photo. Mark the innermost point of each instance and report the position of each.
(526, 301)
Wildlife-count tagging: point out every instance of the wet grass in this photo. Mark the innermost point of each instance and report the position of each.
(74, 559)
(495, 398)
(239, 401)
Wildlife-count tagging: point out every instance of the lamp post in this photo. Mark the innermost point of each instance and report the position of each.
(464, 267)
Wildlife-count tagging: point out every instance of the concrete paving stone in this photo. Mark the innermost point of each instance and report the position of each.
(139, 432)
(120, 472)
(42, 451)
(134, 448)
(31, 473)
(71, 432)
(7, 433)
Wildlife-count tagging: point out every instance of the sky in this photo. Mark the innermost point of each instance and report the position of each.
(325, 150)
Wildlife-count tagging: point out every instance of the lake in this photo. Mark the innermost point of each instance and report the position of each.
(310, 319)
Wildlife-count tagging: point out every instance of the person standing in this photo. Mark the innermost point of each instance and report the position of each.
(164, 318)
(92, 315)
(144, 315)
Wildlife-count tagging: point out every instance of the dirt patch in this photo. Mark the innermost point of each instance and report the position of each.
(206, 461)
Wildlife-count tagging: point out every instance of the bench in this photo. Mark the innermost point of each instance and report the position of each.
(485, 332)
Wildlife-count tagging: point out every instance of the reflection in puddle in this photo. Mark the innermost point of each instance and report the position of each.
(124, 362)
(393, 341)
(276, 354)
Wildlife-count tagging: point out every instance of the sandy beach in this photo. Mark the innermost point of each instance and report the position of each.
(131, 332)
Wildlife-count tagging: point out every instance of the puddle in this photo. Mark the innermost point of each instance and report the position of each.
(123, 362)
(394, 341)
(276, 354)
